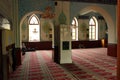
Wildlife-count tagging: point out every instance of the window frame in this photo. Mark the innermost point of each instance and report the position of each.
(29, 24)
(74, 29)
(93, 28)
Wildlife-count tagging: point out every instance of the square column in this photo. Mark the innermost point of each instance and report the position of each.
(65, 44)
(62, 45)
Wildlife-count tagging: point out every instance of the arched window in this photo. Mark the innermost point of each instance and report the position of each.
(34, 29)
(74, 29)
(93, 29)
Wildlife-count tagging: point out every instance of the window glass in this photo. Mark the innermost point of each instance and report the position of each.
(93, 29)
(33, 20)
(74, 29)
(34, 29)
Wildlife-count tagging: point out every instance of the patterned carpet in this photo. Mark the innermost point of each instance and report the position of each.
(88, 64)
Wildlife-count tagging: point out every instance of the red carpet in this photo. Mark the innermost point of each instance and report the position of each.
(88, 64)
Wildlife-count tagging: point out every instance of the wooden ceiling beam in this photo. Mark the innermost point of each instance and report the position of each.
(110, 2)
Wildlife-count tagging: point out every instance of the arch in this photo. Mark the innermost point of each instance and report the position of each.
(25, 16)
(75, 21)
(42, 19)
(33, 15)
(107, 17)
(6, 16)
(5, 23)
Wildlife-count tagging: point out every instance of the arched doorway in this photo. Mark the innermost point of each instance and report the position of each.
(25, 19)
(106, 16)
(46, 28)
(111, 28)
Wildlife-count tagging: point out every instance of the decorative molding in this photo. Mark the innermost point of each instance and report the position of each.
(110, 2)
(88, 17)
(48, 13)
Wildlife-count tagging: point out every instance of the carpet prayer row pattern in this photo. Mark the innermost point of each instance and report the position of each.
(88, 64)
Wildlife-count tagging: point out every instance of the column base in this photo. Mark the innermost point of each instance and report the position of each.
(17, 53)
(112, 50)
